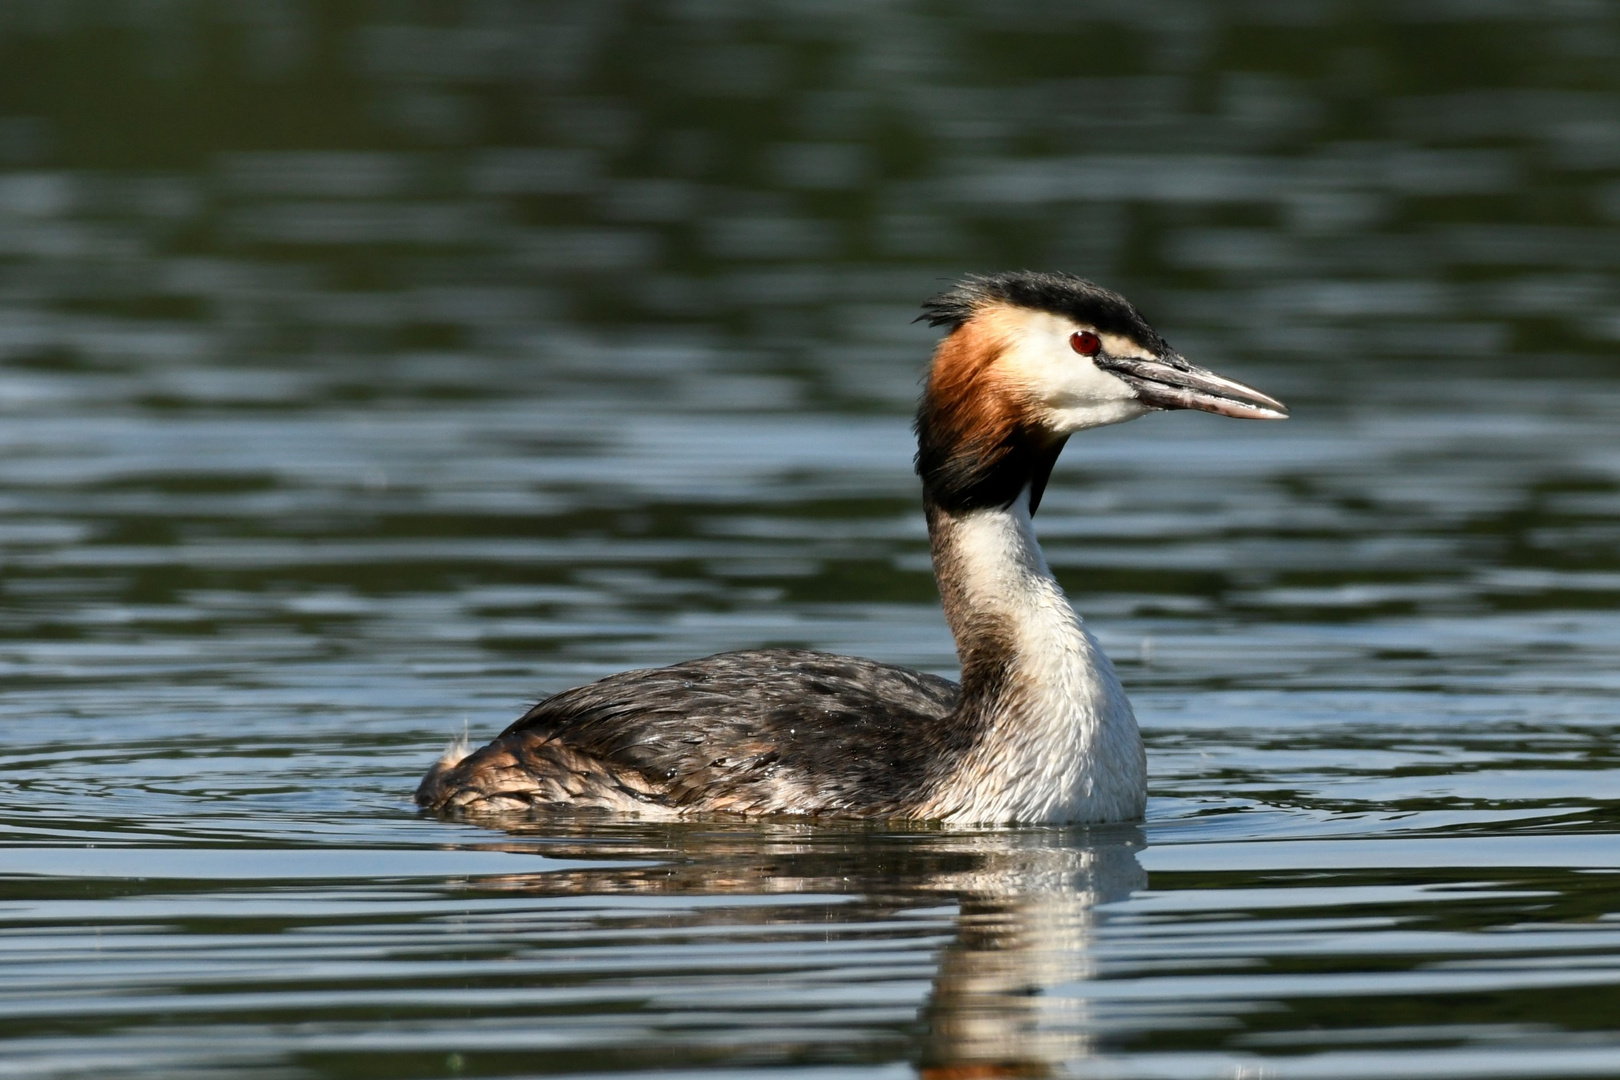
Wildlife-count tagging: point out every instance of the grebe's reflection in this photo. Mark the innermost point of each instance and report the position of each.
(1026, 911)
(1025, 923)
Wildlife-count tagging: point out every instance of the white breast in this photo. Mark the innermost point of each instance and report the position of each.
(1062, 744)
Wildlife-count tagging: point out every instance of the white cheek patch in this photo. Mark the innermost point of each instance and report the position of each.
(1070, 391)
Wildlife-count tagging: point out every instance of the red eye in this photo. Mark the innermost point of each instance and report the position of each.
(1085, 343)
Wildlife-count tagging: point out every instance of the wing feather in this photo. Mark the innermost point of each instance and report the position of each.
(761, 731)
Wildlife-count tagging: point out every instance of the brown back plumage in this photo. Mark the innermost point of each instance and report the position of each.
(762, 731)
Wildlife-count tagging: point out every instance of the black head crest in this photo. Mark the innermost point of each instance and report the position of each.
(1061, 294)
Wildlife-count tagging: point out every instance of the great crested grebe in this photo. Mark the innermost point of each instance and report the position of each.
(1039, 731)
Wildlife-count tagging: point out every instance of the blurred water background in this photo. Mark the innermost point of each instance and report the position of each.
(369, 370)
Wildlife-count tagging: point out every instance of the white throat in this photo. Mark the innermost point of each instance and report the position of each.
(1059, 742)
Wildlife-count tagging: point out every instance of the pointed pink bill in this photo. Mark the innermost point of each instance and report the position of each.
(1170, 382)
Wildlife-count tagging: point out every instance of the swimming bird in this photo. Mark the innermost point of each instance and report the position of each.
(1039, 729)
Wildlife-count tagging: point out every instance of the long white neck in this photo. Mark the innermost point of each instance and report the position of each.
(1055, 739)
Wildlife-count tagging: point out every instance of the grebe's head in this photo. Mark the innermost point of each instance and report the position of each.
(1030, 359)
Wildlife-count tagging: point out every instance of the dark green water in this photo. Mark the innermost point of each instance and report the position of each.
(370, 370)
